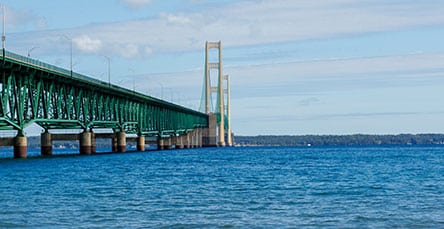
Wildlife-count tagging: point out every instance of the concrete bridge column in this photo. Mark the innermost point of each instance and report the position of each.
(93, 143)
(141, 143)
(114, 144)
(173, 142)
(179, 142)
(45, 144)
(121, 142)
(168, 143)
(20, 146)
(210, 134)
(85, 143)
(199, 137)
(160, 143)
(190, 139)
(194, 139)
(186, 140)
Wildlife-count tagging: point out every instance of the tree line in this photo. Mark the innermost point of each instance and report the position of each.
(341, 140)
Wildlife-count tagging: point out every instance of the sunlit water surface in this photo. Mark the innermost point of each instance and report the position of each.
(227, 187)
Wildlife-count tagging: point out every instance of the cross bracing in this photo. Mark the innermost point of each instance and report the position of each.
(55, 98)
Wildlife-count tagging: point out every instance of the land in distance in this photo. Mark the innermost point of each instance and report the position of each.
(293, 140)
(340, 140)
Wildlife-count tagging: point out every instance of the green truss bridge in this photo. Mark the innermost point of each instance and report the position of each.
(56, 98)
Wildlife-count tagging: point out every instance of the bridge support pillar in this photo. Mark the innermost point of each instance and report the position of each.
(141, 143)
(193, 139)
(85, 143)
(209, 135)
(168, 143)
(199, 137)
(46, 144)
(196, 139)
(190, 139)
(160, 143)
(20, 146)
(121, 142)
(186, 138)
(93, 143)
(114, 144)
(179, 142)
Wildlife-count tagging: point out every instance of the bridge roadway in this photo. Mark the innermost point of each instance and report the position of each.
(56, 98)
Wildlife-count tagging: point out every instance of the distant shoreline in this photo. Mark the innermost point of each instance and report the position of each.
(296, 140)
(341, 140)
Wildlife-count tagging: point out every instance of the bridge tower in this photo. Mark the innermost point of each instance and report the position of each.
(222, 110)
(228, 111)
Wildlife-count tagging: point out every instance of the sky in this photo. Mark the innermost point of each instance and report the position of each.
(296, 66)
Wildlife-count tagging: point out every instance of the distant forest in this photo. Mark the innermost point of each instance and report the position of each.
(300, 140)
(340, 140)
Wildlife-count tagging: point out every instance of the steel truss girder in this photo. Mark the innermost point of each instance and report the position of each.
(30, 93)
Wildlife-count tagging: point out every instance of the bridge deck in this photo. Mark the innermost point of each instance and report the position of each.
(56, 98)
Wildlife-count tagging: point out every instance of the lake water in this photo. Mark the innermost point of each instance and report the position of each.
(228, 187)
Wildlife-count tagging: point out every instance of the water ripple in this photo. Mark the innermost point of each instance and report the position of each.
(228, 188)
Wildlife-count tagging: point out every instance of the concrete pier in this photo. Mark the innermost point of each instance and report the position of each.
(46, 144)
(209, 135)
(189, 144)
(164, 143)
(141, 143)
(167, 143)
(114, 144)
(160, 144)
(194, 139)
(190, 139)
(187, 140)
(93, 143)
(121, 142)
(85, 143)
(184, 140)
(199, 137)
(179, 142)
(20, 146)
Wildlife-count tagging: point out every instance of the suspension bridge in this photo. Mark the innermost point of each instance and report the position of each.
(33, 92)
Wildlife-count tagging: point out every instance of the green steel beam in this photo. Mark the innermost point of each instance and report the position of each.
(52, 97)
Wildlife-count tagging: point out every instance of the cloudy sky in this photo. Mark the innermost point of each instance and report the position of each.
(296, 66)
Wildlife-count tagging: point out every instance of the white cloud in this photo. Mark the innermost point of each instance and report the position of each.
(87, 44)
(175, 19)
(259, 22)
(316, 96)
(249, 23)
(136, 3)
(41, 23)
(148, 51)
(128, 50)
(320, 76)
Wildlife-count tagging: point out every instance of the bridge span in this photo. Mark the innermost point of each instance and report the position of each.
(56, 98)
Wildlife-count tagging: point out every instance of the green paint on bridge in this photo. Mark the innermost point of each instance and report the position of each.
(56, 98)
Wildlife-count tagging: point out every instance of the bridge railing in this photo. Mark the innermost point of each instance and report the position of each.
(88, 82)
(67, 73)
(50, 67)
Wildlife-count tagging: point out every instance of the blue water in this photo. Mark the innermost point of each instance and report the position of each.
(228, 187)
